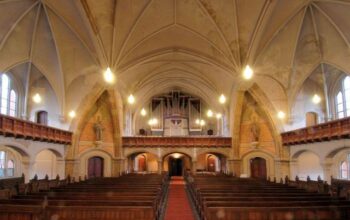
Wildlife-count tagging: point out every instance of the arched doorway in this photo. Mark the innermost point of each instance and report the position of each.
(211, 163)
(258, 168)
(176, 163)
(95, 167)
(41, 117)
(141, 163)
(175, 166)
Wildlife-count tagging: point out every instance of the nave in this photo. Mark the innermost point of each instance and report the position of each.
(204, 196)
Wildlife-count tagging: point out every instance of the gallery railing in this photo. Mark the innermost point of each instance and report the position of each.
(197, 141)
(18, 128)
(322, 132)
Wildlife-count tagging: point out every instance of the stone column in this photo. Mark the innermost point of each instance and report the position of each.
(327, 171)
(118, 167)
(160, 166)
(234, 166)
(194, 166)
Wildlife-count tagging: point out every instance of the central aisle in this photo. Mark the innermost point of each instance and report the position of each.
(178, 207)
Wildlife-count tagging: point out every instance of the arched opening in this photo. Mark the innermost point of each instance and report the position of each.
(95, 167)
(311, 119)
(308, 164)
(142, 162)
(176, 164)
(45, 164)
(211, 163)
(258, 168)
(41, 117)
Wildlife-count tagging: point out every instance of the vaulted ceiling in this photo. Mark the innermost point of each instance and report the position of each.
(200, 46)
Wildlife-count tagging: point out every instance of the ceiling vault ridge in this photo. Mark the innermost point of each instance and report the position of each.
(278, 30)
(62, 83)
(114, 33)
(92, 22)
(20, 18)
(255, 40)
(316, 32)
(221, 34)
(145, 39)
(234, 64)
(291, 74)
(334, 2)
(330, 20)
(131, 31)
(74, 31)
(171, 50)
(235, 15)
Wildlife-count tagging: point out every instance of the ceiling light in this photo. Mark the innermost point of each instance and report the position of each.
(198, 121)
(153, 121)
(210, 113)
(72, 114)
(222, 99)
(248, 72)
(281, 115)
(218, 115)
(37, 98)
(143, 112)
(202, 122)
(109, 76)
(131, 99)
(316, 99)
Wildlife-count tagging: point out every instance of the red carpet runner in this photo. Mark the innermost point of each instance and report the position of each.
(178, 207)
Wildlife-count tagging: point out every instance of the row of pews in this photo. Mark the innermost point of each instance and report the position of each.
(231, 198)
(128, 197)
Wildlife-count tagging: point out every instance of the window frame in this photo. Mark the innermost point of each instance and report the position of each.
(342, 89)
(11, 87)
(8, 156)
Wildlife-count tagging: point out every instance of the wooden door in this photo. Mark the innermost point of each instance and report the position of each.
(141, 163)
(95, 167)
(258, 168)
(211, 163)
(41, 117)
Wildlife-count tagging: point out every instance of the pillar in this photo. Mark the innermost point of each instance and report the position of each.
(160, 166)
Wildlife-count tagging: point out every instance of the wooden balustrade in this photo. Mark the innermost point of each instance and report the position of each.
(10, 126)
(322, 132)
(177, 141)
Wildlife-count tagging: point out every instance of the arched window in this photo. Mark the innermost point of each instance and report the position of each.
(340, 105)
(8, 104)
(344, 171)
(345, 168)
(7, 164)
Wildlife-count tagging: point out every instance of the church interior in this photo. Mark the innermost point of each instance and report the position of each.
(174, 109)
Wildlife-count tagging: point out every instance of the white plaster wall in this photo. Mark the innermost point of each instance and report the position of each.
(45, 164)
(329, 153)
(29, 150)
(308, 164)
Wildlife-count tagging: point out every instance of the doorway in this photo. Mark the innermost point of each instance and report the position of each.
(141, 163)
(95, 167)
(258, 168)
(175, 166)
(211, 163)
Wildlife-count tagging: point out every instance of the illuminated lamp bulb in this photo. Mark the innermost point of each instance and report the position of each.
(210, 113)
(218, 115)
(222, 99)
(281, 115)
(109, 76)
(143, 112)
(72, 114)
(316, 99)
(131, 99)
(248, 72)
(198, 121)
(202, 122)
(37, 98)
